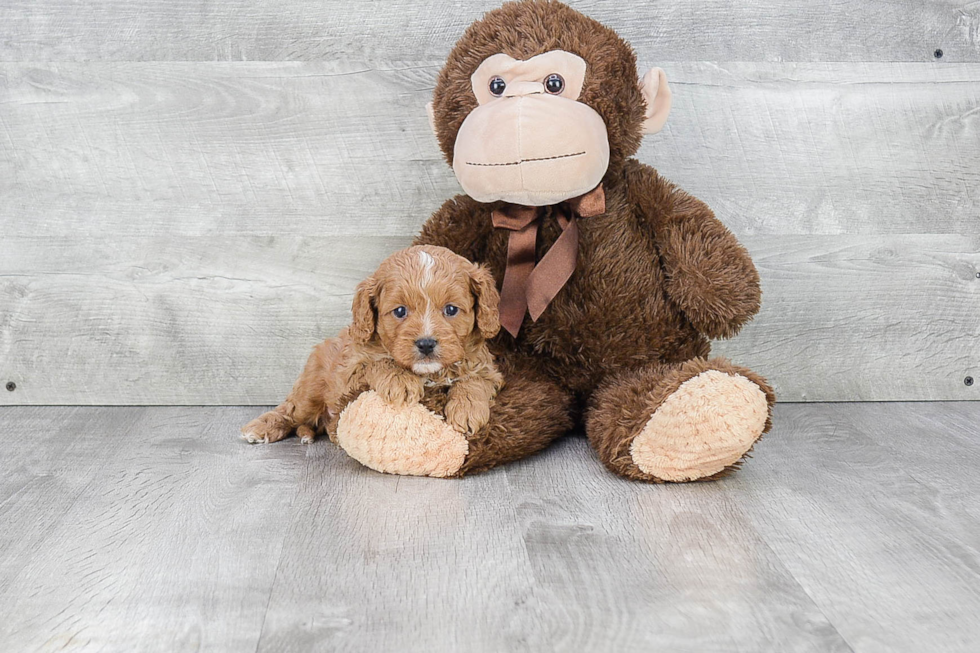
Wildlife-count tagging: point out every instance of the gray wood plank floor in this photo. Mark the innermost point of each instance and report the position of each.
(855, 527)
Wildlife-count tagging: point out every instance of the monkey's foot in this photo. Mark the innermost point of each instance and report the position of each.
(411, 441)
(707, 424)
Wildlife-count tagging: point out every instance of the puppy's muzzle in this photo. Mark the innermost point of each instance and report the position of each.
(426, 346)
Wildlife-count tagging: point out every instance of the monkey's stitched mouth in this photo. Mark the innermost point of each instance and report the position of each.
(517, 163)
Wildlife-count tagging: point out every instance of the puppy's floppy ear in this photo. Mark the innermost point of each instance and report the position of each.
(487, 301)
(363, 309)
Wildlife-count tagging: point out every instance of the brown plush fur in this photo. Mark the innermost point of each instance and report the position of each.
(379, 351)
(657, 273)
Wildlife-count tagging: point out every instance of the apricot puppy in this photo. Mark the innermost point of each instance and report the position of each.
(420, 321)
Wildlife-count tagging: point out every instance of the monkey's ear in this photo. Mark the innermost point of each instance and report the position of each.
(431, 112)
(487, 301)
(363, 322)
(657, 94)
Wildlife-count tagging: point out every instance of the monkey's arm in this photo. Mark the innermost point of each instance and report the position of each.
(462, 225)
(710, 275)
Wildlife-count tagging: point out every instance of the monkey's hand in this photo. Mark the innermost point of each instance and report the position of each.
(710, 275)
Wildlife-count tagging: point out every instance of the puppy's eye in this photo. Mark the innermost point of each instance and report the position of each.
(400, 312)
(554, 84)
(497, 86)
(450, 310)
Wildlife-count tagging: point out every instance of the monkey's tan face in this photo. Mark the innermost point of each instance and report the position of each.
(530, 141)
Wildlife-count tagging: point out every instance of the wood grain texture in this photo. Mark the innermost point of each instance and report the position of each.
(870, 535)
(168, 542)
(935, 465)
(398, 30)
(215, 321)
(45, 468)
(826, 148)
(865, 318)
(853, 528)
(266, 148)
(196, 321)
(343, 147)
(620, 566)
(185, 232)
(378, 562)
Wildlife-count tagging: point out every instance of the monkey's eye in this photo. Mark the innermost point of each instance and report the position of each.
(554, 84)
(497, 86)
(400, 312)
(450, 310)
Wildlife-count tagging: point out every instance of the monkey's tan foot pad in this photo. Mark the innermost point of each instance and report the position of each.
(267, 428)
(707, 424)
(411, 441)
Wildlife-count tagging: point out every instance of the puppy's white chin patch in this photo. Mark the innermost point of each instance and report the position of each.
(426, 368)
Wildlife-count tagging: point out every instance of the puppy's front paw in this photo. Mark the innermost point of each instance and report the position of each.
(400, 390)
(467, 415)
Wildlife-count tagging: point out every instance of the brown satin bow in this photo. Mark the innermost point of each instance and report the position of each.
(529, 287)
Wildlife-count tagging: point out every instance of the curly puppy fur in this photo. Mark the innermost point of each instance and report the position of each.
(657, 273)
(434, 344)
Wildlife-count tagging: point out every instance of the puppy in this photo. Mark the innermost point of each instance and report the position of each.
(420, 322)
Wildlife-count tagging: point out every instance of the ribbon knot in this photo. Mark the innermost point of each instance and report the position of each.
(528, 287)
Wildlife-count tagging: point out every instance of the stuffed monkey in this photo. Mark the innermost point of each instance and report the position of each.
(612, 279)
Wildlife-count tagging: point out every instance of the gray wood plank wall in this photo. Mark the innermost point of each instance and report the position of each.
(189, 191)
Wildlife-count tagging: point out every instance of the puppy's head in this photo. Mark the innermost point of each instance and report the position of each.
(428, 306)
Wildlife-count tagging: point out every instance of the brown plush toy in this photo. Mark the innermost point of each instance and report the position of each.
(612, 279)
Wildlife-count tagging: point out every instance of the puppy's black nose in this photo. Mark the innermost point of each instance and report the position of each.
(426, 345)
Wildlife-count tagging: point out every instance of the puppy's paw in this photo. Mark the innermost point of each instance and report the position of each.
(305, 434)
(467, 415)
(267, 428)
(401, 390)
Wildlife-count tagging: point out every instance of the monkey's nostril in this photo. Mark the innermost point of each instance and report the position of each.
(426, 345)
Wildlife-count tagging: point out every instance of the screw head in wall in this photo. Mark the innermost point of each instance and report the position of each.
(968, 380)
(11, 386)
(938, 54)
